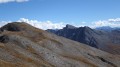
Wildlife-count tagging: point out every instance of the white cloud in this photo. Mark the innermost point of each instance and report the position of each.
(6, 1)
(51, 25)
(43, 24)
(114, 20)
(110, 22)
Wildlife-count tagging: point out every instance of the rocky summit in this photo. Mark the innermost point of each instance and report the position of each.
(22, 45)
(106, 39)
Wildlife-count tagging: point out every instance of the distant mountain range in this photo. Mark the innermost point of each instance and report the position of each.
(107, 28)
(104, 38)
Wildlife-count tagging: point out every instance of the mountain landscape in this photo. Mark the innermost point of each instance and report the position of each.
(22, 45)
(59, 33)
(104, 38)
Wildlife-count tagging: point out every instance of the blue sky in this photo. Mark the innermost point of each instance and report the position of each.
(67, 11)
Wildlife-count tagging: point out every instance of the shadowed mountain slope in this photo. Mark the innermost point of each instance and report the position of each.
(22, 45)
(105, 40)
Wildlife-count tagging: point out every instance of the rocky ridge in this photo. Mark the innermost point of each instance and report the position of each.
(22, 45)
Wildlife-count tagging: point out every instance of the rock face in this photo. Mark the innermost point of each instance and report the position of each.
(70, 27)
(105, 40)
(83, 35)
(26, 46)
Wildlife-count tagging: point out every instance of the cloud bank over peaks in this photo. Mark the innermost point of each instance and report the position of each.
(59, 25)
(110, 22)
(43, 24)
(7, 1)
(114, 20)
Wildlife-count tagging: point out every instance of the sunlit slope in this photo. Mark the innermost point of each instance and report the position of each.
(22, 45)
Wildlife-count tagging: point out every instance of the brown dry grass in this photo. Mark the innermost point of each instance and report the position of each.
(25, 59)
(6, 64)
(80, 59)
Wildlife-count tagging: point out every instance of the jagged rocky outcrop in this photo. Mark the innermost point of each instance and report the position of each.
(82, 34)
(28, 46)
(70, 27)
(98, 38)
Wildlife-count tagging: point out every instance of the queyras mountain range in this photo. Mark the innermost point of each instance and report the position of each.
(104, 38)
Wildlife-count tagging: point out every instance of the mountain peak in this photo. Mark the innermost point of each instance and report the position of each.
(15, 26)
(18, 26)
(85, 28)
(68, 26)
